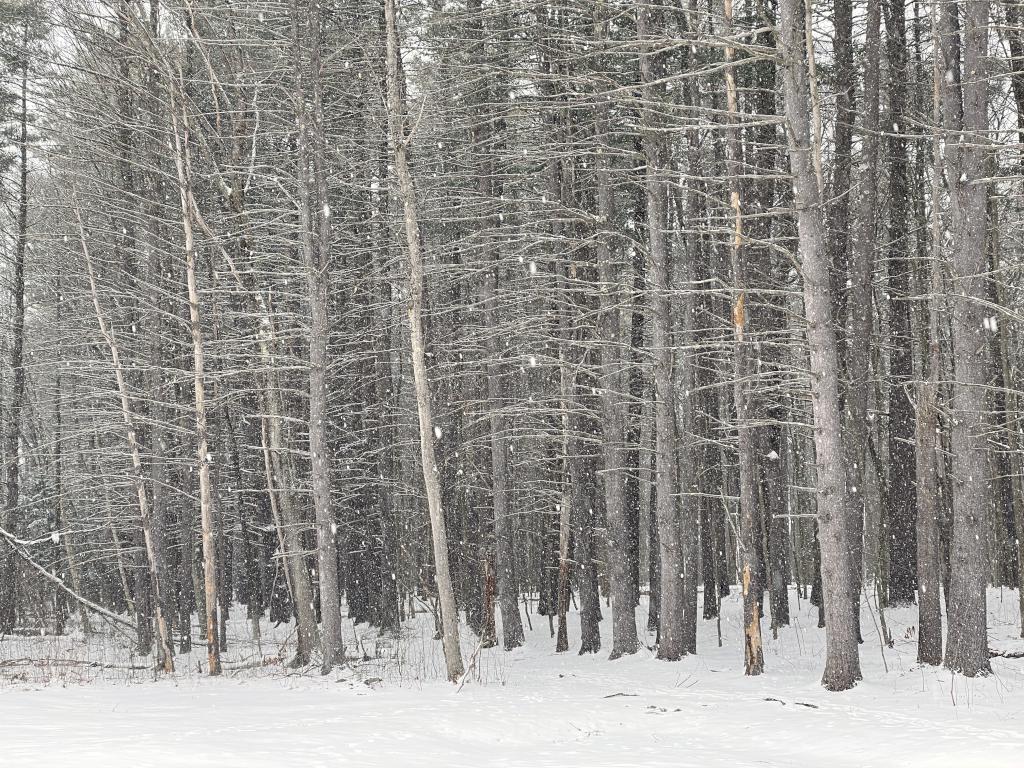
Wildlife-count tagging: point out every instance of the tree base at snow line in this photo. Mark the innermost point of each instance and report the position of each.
(299, 660)
(618, 653)
(675, 656)
(928, 655)
(510, 644)
(592, 645)
(839, 675)
(971, 669)
(966, 662)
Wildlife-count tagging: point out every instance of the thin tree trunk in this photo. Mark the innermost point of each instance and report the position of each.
(929, 561)
(399, 144)
(614, 415)
(1015, 35)
(203, 455)
(12, 437)
(508, 589)
(314, 213)
(150, 536)
(749, 547)
(288, 525)
(63, 515)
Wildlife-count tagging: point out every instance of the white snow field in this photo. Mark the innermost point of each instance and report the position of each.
(531, 707)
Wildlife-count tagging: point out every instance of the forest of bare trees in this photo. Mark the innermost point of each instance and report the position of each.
(340, 310)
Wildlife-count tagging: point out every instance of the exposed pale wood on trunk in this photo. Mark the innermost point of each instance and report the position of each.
(749, 550)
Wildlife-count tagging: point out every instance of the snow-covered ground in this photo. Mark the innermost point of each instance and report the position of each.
(530, 707)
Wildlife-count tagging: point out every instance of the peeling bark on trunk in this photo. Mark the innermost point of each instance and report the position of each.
(749, 550)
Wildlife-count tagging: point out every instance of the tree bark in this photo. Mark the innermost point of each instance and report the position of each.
(400, 139)
(900, 496)
(13, 427)
(315, 244)
(964, 113)
(842, 663)
(671, 604)
(150, 535)
(203, 455)
(749, 545)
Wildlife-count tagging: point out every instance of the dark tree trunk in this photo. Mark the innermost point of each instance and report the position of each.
(900, 494)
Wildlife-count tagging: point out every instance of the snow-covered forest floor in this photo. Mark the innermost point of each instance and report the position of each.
(67, 703)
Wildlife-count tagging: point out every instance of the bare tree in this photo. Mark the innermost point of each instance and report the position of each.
(842, 663)
(964, 100)
(400, 137)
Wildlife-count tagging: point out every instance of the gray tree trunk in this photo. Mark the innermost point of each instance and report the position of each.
(749, 550)
(315, 243)
(671, 604)
(859, 307)
(203, 455)
(407, 193)
(964, 113)
(842, 662)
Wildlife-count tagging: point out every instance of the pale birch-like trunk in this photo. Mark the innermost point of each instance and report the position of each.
(203, 455)
(150, 535)
(407, 193)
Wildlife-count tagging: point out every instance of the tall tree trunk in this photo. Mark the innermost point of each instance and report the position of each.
(900, 494)
(508, 589)
(964, 113)
(929, 563)
(13, 428)
(859, 306)
(842, 663)
(614, 416)
(1015, 34)
(203, 455)
(315, 242)
(749, 546)
(400, 139)
(671, 603)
